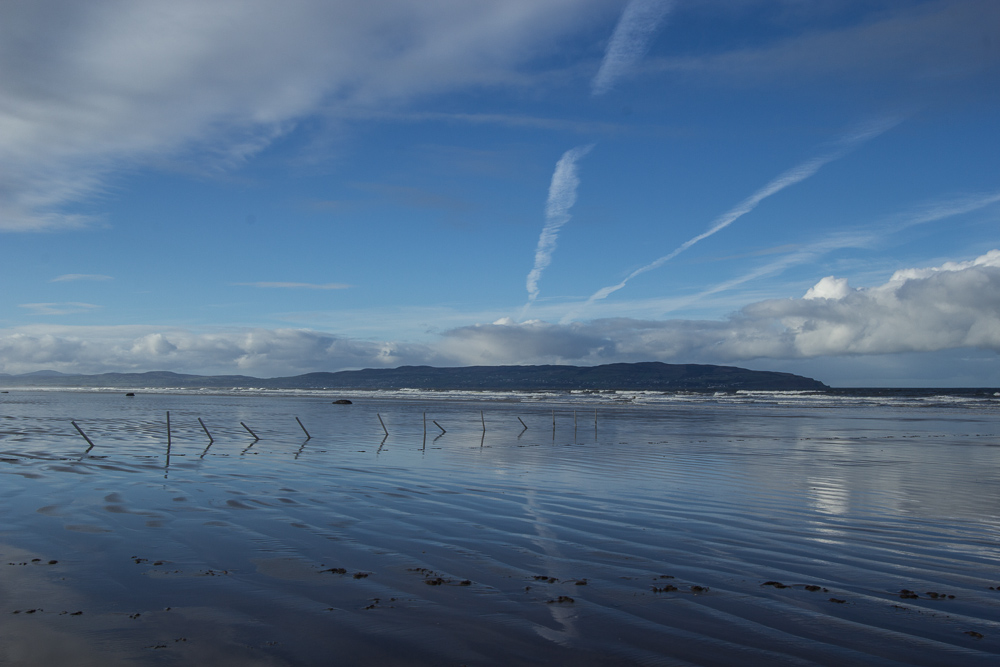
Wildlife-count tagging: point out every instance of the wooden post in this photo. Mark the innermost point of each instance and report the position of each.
(308, 437)
(483, 417)
(84, 435)
(205, 428)
(166, 465)
(383, 424)
(255, 436)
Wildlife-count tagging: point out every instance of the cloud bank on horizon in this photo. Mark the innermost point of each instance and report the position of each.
(954, 305)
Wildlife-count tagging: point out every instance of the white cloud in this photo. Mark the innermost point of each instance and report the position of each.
(830, 287)
(260, 352)
(956, 305)
(92, 88)
(67, 308)
(630, 41)
(73, 277)
(918, 310)
(796, 174)
(562, 196)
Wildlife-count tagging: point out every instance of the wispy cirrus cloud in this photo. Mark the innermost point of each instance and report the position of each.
(630, 41)
(921, 44)
(590, 127)
(794, 175)
(289, 285)
(91, 89)
(865, 237)
(66, 308)
(73, 277)
(562, 196)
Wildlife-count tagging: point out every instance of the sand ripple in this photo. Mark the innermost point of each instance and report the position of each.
(709, 535)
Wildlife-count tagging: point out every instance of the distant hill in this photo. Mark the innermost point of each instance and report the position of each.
(644, 376)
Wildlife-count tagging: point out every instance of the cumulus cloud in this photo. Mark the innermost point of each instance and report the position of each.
(562, 196)
(951, 306)
(92, 88)
(918, 310)
(260, 352)
(955, 305)
(630, 41)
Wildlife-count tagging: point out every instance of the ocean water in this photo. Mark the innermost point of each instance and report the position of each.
(499, 528)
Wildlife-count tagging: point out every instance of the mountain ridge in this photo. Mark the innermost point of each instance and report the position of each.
(640, 376)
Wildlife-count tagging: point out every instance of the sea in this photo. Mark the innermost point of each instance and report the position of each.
(261, 527)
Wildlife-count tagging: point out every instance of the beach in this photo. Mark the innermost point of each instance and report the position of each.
(412, 528)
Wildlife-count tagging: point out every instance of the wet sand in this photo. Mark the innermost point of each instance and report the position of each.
(681, 534)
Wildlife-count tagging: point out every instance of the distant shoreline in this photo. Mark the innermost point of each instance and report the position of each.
(642, 376)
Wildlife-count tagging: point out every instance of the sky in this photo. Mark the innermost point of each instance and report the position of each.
(268, 189)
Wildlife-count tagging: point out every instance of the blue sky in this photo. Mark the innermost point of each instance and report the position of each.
(264, 189)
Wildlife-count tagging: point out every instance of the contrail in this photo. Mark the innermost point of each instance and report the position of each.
(791, 177)
(629, 41)
(562, 196)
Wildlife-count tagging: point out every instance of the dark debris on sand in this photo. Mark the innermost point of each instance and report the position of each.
(432, 578)
(812, 588)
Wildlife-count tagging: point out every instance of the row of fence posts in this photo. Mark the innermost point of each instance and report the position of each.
(211, 440)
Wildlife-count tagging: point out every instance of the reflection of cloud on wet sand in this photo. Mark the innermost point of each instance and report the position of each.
(553, 563)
